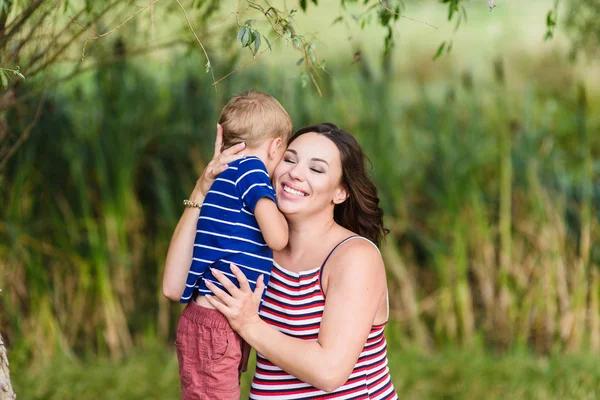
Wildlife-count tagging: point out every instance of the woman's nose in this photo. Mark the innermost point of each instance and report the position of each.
(296, 173)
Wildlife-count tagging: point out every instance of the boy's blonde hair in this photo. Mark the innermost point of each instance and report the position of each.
(252, 117)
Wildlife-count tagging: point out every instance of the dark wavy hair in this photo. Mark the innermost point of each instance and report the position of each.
(360, 212)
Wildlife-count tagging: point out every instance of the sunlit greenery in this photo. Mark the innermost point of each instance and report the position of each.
(486, 161)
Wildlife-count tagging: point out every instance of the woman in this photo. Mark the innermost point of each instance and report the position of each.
(323, 314)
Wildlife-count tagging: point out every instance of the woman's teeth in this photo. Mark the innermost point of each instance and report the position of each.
(293, 191)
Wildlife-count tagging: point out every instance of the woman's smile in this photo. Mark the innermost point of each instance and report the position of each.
(293, 191)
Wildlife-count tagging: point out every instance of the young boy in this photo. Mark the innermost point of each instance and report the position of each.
(239, 223)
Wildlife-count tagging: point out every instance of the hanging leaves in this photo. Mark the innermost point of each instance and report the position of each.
(250, 37)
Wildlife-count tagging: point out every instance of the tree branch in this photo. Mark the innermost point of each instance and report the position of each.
(200, 43)
(20, 23)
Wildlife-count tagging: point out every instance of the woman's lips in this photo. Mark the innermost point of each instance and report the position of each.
(292, 191)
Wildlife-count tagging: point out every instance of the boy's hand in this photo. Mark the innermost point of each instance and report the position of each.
(218, 164)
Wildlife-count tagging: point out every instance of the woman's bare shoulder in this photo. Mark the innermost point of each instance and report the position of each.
(358, 254)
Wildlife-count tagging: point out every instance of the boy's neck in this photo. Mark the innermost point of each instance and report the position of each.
(260, 153)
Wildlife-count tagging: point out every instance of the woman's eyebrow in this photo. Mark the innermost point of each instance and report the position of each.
(312, 159)
(321, 160)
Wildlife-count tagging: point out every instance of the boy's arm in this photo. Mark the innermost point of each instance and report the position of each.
(272, 223)
(179, 254)
(181, 248)
(258, 195)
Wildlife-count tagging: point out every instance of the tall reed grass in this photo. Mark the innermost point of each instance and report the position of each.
(492, 197)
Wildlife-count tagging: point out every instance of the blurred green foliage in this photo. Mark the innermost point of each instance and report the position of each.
(151, 373)
(489, 176)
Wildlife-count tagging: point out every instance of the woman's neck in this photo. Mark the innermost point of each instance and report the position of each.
(306, 233)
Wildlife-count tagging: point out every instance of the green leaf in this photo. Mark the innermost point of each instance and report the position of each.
(207, 67)
(338, 19)
(241, 33)
(245, 37)
(268, 43)
(440, 50)
(300, 61)
(303, 81)
(296, 42)
(303, 5)
(257, 42)
(4, 78)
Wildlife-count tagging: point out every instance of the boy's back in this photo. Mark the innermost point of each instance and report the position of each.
(227, 230)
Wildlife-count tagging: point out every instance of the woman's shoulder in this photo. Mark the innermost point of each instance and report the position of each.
(357, 259)
(355, 250)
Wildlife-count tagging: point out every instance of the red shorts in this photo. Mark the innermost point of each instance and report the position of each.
(211, 355)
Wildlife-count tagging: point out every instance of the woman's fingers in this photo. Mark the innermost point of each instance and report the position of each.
(217, 304)
(226, 282)
(239, 275)
(236, 148)
(218, 141)
(260, 287)
(220, 161)
(227, 158)
(220, 294)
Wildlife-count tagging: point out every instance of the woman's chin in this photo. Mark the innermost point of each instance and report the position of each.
(289, 208)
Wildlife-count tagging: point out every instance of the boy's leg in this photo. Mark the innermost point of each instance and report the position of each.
(246, 348)
(209, 354)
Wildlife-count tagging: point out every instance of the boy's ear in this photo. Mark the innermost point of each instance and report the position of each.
(340, 196)
(275, 143)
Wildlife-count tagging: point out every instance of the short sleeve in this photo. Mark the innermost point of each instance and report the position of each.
(253, 182)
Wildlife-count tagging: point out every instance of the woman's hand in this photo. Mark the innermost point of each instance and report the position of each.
(218, 164)
(241, 307)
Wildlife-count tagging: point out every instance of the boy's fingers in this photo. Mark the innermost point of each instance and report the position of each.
(243, 281)
(218, 141)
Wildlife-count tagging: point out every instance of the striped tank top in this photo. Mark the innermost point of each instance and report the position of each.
(293, 304)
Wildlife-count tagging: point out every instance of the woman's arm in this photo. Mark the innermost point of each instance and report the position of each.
(354, 291)
(179, 254)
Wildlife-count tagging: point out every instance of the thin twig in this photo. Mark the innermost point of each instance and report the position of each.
(199, 42)
(83, 26)
(21, 21)
(246, 63)
(105, 62)
(65, 46)
(382, 4)
(99, 36)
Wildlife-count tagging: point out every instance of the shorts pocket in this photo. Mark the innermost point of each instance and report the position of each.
(225, 371)
(183, 357)
(217, 344)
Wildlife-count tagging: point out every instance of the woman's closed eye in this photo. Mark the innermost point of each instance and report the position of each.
(317, 170)
(289, 160)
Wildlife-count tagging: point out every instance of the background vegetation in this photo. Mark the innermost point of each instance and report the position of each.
(486, 160)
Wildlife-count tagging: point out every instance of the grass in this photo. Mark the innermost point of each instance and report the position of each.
(151, 373)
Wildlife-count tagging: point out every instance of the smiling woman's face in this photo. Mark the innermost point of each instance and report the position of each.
(308, 180)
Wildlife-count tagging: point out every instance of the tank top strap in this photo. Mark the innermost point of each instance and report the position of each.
(334, 248)
(387, 297)
(338, 245)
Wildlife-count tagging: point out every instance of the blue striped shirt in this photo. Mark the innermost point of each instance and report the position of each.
(227, 231)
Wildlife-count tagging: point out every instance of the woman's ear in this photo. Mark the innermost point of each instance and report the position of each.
(340, 195)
